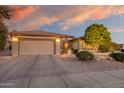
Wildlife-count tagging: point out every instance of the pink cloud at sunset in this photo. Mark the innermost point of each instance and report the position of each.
(38, 21)
(67, 16)
(19, 13)
(67, 19)
(81, 14)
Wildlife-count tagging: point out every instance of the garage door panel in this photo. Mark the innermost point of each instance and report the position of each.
(36, 47)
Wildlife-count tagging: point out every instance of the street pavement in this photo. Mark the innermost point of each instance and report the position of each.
(50, 72)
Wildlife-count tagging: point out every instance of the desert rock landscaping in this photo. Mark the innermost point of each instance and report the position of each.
(80, 66)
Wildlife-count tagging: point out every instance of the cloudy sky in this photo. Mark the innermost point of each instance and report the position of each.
(71, 20)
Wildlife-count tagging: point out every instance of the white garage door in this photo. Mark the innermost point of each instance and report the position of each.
(36, 47)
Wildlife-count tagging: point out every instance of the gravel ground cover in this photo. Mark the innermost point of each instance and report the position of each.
(79, 66)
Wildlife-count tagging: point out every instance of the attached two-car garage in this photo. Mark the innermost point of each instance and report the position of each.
(36, 47)
(36, 43)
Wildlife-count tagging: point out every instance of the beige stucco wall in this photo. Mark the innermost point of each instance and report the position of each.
(81, 45)
(75, 44)
(123, 46)
(15, 45)
(58, 48)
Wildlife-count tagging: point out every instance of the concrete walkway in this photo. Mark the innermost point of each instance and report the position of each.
(50, 72)
(108, 79)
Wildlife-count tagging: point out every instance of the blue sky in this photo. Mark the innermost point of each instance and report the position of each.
(71, 20)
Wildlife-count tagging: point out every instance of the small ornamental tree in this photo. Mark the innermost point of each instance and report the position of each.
(96, 35)
(4, 14)
(3, 35)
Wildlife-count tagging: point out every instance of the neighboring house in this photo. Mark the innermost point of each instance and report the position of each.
(79, 43)
(37, 42)
(121, 46)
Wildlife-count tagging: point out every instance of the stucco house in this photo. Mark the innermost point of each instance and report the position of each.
(123, 46)
(37, 42)
(79, 44)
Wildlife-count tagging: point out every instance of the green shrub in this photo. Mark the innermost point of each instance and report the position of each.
(112, 55)
(117, 56)
(84, 55)
(75, 51)
(103, 48)
(109, 47)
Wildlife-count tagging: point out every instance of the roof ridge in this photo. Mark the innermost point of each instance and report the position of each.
(40, 32)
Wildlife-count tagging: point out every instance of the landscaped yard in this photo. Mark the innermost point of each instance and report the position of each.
(79, 66)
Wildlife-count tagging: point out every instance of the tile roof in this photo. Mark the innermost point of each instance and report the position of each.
(38, 33)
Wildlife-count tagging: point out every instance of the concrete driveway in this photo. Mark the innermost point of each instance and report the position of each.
(50, 71)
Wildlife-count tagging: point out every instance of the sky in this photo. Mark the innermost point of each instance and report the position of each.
(71, 20)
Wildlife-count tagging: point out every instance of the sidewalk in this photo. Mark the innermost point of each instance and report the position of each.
(108, 79)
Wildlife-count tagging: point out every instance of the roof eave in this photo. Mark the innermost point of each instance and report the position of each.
(25, 34)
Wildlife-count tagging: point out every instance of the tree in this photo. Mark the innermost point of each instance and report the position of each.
(114, 47)
(96, 35)
(3, 35)
(4, 14)
(103, 48)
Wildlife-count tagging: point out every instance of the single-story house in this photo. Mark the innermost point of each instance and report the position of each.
(122, 46)
(79, 44)
(37, 42)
